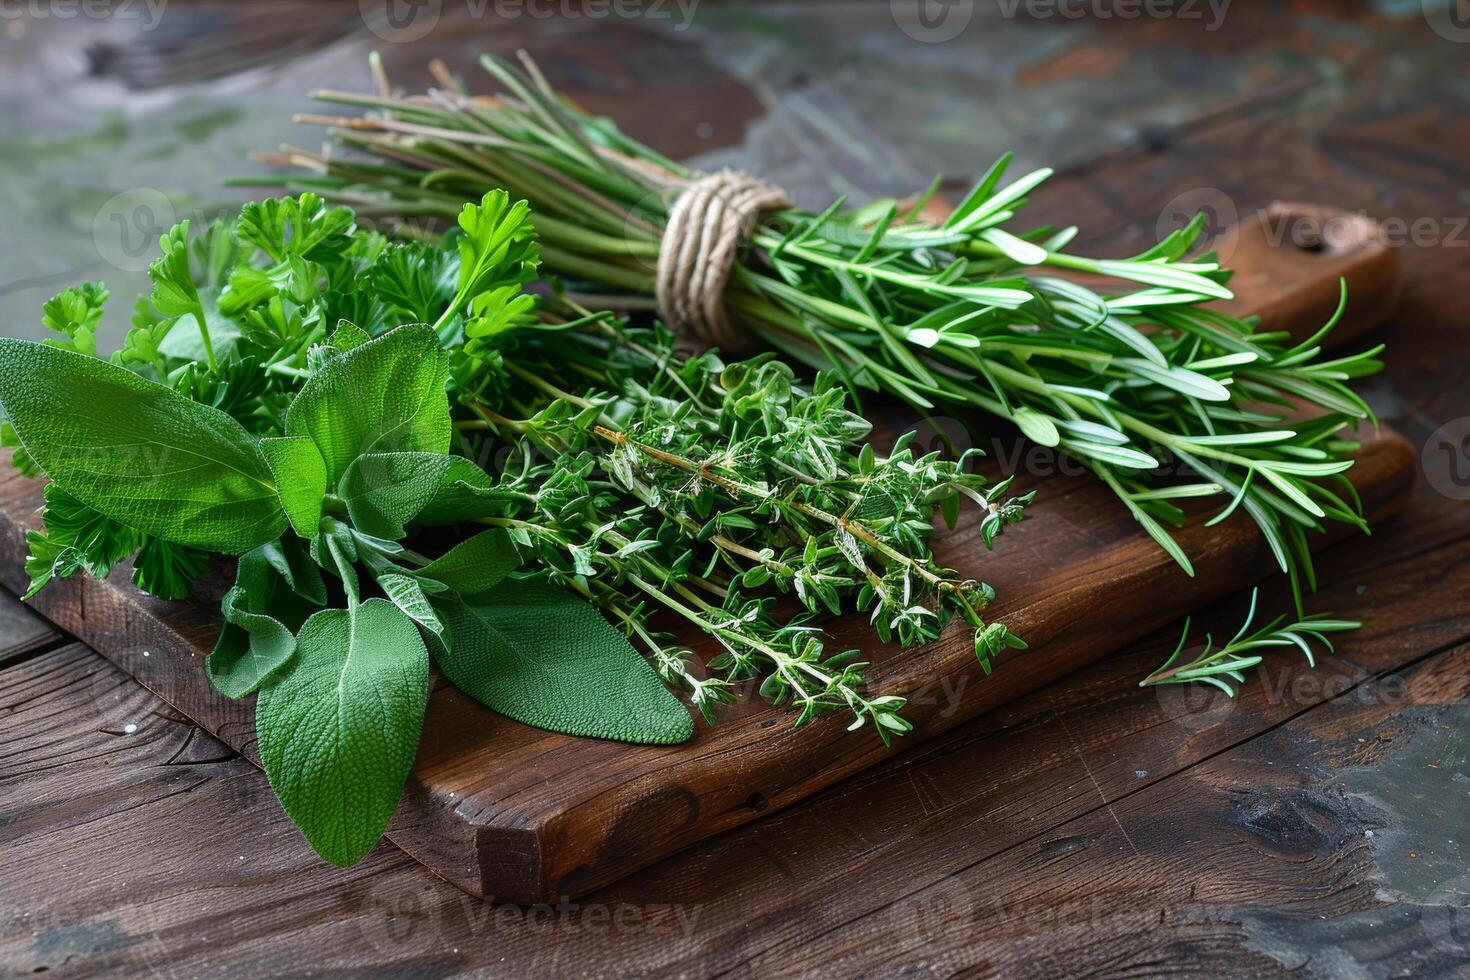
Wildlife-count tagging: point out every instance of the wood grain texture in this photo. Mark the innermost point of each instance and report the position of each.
(22, 632)
(992, 848)
(511, 812)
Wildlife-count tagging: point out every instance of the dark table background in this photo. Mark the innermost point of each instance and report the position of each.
(1317, 826)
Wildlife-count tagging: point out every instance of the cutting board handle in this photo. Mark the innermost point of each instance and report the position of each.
(1290, 258)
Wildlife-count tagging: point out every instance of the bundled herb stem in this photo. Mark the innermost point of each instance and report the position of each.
(964, 315)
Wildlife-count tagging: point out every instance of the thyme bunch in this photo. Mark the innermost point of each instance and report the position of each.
(708, 490)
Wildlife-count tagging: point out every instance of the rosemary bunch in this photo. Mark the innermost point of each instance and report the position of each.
(964, 315)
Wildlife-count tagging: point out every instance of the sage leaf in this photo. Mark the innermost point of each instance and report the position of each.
(138, 452)
(407, 593)
(348, 336)
(301, 480)
(384, 396)
(476, 564)
(339, 730)
(384, 491)
(466, 492)
(267, 604)
(547, 658)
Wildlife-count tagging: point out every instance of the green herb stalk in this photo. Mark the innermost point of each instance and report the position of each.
(965, 315)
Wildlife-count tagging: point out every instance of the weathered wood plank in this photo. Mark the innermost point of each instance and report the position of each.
(22, 632)
(142, 869)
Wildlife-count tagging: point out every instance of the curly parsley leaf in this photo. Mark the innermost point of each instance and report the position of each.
(76, 538)
(75, 313)
(301, 227)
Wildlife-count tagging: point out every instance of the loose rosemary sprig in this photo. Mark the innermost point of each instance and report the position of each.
(1225, 666)
(965, 315)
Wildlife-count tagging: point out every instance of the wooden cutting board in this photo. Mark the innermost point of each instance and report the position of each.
(516, 814)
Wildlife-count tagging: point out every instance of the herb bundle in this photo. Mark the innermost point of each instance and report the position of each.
(965, 315)
(326, 405)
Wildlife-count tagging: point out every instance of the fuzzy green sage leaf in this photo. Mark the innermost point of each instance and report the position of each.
(339, 731)
(545, 657)
(142, 454)
(384, 396)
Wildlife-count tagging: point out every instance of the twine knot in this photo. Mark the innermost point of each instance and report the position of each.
(707, 227)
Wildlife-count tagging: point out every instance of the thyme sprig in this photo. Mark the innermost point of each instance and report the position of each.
(965, 315)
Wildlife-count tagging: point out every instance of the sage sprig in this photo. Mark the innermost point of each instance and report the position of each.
(965, 315)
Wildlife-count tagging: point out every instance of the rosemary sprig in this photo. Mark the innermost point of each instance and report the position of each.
(1225, 666)
(965, 315)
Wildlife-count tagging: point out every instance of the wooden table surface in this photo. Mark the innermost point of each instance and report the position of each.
(1317, 826)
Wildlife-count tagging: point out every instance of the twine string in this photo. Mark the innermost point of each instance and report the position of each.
(708, 225)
